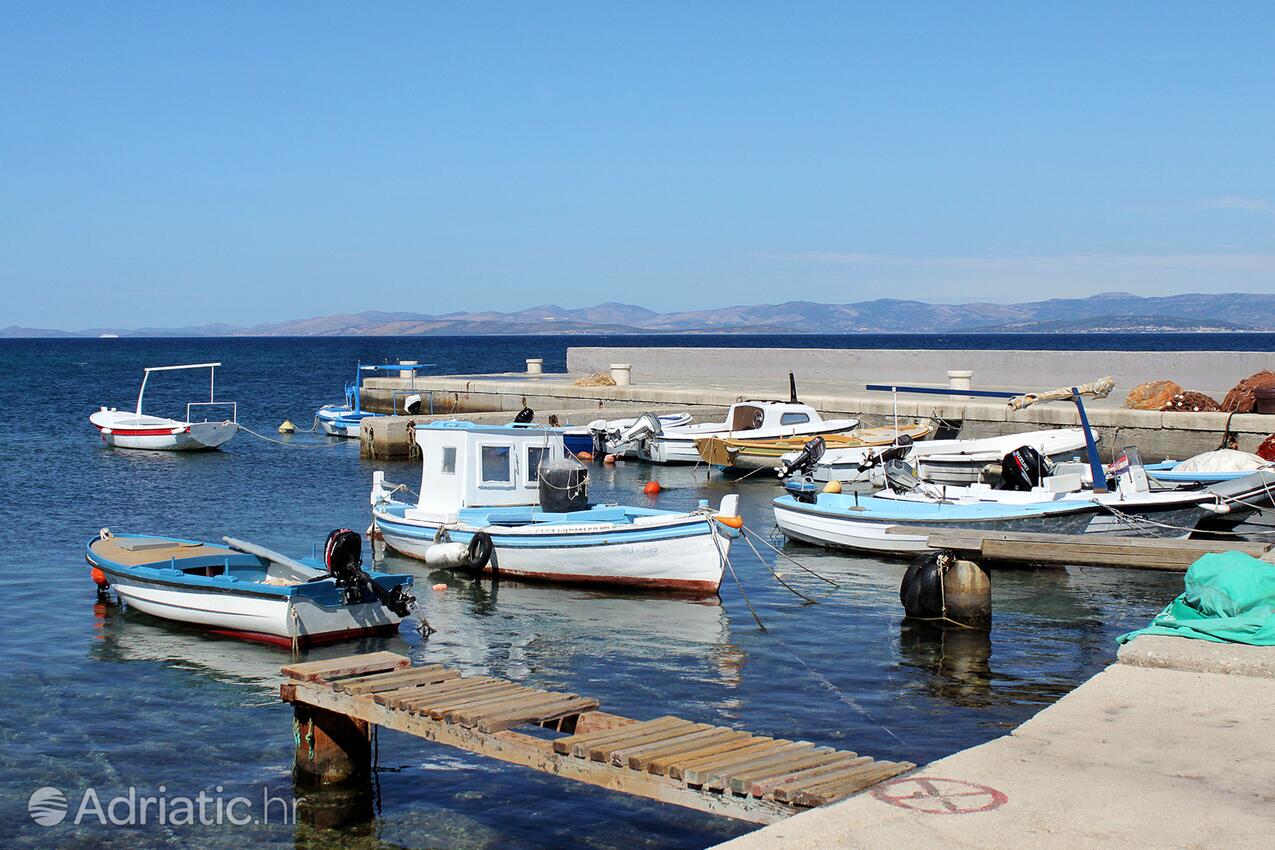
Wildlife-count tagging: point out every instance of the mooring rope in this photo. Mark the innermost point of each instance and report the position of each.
(287, 444)
(778, 578)
(783, 554)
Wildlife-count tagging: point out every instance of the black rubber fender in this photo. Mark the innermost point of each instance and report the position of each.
(480, 550)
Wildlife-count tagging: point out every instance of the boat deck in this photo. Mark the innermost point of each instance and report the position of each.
(716, 769)
(137, 551)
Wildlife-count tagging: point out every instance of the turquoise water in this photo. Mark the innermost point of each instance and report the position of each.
(92, 696)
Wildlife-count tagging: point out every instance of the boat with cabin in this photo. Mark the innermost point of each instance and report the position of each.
(199, 431)
(509, 500)
(345, 420)
(246, 591)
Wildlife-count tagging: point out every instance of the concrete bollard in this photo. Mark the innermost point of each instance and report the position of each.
(959, 379)
(535, 365)
(622, 374)
(409, 373)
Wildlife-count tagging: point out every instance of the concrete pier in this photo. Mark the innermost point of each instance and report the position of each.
(833, 382)
(1170, 747)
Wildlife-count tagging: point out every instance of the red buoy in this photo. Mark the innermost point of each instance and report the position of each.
(99, 577)
(652, 488)
(584, 456)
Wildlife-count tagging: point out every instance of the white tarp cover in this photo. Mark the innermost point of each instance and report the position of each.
(1222, 460)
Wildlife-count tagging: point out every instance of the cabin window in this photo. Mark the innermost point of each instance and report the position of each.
(496, 466)
(535, 456)
(794, 419)
(747, 418)
(449, 460)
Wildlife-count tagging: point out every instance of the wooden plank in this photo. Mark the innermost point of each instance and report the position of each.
(686, 740)
(406, 696)
(602, 751)
(599, 721)
(672, 764)
(348, 665)
(435, 708)
(689, 771)
(578, 744)
(807, 776)
(469, 715)
(699, 774)
(719, 779)
(538, 754)
(815, 786)
(403, 678)
(640, 758)
(828, 792)
(1168, 544)
(742, 782)
(537, 714)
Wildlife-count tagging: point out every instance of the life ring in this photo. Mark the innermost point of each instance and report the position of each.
(480, 550)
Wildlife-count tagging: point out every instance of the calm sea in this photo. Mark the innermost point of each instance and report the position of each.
(95, 697)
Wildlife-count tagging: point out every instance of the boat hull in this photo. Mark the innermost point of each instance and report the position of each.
(180, 437)
(682, 557)
(672, 448)
(266, 619)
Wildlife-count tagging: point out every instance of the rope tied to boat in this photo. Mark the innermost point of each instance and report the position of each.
(286, 444)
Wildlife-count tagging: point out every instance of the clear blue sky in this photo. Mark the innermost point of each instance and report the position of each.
(182, 163)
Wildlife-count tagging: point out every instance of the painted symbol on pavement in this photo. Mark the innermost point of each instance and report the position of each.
(936, 796)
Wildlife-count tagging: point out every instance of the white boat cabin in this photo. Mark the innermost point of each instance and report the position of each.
(464, 465)
(767, 415)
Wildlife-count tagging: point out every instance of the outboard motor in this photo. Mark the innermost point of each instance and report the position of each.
(412, 405)
(804, 462)
(1022, 469)
(525, 415)
(901, 477)
(564, 486)
(343, 556)
(902, 446)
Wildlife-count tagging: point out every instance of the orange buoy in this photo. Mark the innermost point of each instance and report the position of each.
(440, 587)
(832, 487)
(609, 459)
(584, 456)
(731, 521)
(652, 488)
(99, 577)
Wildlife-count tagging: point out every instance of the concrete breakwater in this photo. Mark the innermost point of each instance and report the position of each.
(832, 381)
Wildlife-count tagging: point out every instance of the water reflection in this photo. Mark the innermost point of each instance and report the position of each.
(957, 659)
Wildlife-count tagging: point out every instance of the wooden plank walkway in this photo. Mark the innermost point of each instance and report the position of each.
(711, 768)
(1089, 550)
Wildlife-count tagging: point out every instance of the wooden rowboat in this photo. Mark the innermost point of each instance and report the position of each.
(727, 452)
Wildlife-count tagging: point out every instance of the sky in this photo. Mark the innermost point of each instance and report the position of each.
(168, 164)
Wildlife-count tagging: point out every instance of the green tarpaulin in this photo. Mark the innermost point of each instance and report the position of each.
(1229, 598)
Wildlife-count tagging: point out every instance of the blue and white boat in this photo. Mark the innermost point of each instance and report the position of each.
(247, 591)
(1209, 468)
(345, 420)
(508, 500)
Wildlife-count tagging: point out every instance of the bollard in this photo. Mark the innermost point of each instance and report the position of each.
(409, 373)
(330, 747)
(535, 365)
(622, 374)
(959, 379)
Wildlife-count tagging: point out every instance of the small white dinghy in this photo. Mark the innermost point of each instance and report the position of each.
(131, 429)
(247, 591)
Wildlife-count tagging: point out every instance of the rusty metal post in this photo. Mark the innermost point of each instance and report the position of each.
(331, 747)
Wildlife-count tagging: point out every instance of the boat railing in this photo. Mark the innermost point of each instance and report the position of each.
(233, 405)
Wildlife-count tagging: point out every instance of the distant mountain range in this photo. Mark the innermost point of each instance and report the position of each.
(1109, 312)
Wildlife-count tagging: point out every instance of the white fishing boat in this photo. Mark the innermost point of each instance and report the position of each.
(580, 438)
(132, 429)
(247, 591)
(508, 500)
(943, 461)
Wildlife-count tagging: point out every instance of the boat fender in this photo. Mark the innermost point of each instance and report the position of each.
(447, 555)
(480, 551)
(939, 586)
(99, 577)
(731, 521)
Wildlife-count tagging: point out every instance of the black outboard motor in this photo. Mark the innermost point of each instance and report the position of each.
(1022, 469)
(564, 486)
(525, 415)
(898, 451)
(343, 556)
(804, 462)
